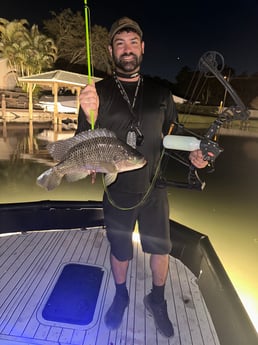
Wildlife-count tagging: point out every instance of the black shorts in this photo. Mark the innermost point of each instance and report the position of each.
(153, 223)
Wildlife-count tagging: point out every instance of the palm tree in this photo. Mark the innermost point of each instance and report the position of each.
(41, 52)
(11, 35)
(28, 51)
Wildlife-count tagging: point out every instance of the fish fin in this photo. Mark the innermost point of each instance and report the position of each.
(76, 176)
(110, 178)
(59, 148)
(97, 133)
(49, 179)
(104, 167)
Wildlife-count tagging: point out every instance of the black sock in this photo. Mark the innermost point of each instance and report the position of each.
(121, 290)
(157, 293)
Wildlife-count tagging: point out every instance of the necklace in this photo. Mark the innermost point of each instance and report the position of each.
(127, 76)
(124, 93)
(134, 136)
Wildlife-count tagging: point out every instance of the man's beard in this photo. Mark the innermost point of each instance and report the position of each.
(127, 66)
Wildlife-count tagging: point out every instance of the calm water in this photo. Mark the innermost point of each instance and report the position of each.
(226, 210)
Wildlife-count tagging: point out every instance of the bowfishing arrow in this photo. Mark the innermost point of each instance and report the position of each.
(88, 52)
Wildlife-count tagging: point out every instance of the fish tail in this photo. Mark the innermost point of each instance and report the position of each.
(49, 179)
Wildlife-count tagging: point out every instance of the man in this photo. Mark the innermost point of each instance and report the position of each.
(140, 112)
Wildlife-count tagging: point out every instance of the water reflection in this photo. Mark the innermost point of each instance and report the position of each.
(226, 210)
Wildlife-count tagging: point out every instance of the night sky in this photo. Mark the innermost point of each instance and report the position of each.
(176, 35)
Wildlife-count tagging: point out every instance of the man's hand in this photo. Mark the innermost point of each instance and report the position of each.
(89, 101)
(196, 158)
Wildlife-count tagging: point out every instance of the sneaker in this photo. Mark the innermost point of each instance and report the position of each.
(160, 315)
(115, 313)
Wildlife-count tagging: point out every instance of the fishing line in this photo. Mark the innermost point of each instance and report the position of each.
(112, 202)
(153, 182)
(88, 52)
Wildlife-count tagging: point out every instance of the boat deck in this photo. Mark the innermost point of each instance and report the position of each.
(30, 264)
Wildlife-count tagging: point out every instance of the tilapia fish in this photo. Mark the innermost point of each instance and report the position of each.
(91, 151)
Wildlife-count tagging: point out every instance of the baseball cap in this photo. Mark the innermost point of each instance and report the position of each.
(123, 23)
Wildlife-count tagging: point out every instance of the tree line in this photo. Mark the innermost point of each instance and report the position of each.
(60, 44)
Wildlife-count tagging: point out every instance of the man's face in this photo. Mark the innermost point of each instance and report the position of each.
(127, 50)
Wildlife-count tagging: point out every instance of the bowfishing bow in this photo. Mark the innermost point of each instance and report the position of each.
(211, 64)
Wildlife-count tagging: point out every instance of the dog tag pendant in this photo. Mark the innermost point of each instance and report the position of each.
(131, 139)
